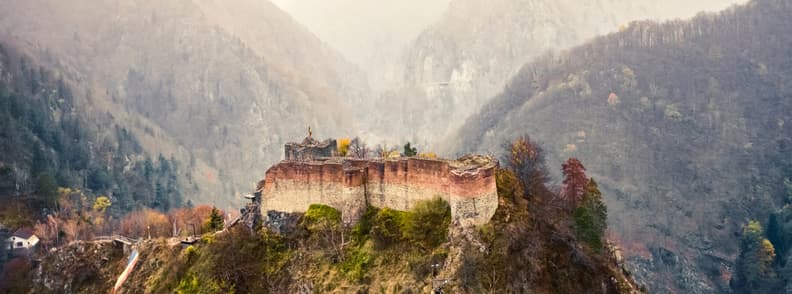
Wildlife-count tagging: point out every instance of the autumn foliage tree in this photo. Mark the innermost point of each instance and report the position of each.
(342, 146)
(141, 223)
(526, 159)
(184, 218)
(575, 181)
(754, 265)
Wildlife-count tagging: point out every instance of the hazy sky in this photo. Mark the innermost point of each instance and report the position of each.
(363, 30)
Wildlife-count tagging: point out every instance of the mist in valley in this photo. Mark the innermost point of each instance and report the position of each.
(677, 108)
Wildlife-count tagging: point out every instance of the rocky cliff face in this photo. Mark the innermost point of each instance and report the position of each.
(683, 123)
(457, 64)
(219, 86)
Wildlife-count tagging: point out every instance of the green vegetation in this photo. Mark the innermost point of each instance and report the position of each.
(427, 223)
(425, 226)
(410, 151)
(361, 231)
(531, 244)
(193, 285)
(332, 255)
(764, 263)
(591, 218)
(215, 221)
(239, 261)
(45, 144)
(754, 265)
(357, 263)
(662, 135)
(527, 245)
(101, 204)
(388, 227)
(320, 217)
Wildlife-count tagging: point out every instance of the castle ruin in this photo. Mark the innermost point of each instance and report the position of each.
(308, 176)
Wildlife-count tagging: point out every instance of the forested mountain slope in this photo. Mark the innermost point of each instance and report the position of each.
(685, 124)
(46, 143)
(218, 93)
(456, 65)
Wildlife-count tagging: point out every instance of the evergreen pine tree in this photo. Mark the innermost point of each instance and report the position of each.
(754, 265)
(591, 218)
(215, 222)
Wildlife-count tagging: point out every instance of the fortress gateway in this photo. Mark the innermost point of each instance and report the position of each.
(311, 174)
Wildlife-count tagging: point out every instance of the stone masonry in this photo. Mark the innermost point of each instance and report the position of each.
(467, 184)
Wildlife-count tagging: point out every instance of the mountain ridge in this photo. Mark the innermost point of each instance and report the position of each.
(188, 72)
(665, 114)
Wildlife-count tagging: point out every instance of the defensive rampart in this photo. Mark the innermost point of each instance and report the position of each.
(468, 184)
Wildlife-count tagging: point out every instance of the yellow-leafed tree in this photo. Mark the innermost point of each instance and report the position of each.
(428, 155)
(343, 146)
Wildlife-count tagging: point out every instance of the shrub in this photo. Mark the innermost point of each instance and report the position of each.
(193, 284)
(101, 204)
(356, 265)
(190, 252)
(427, 223)
(320, 216)
(388, 227)
(361, 230)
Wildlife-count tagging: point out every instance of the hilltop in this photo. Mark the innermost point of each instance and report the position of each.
(536, 240)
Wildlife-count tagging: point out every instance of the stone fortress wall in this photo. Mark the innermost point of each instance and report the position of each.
(468, 184)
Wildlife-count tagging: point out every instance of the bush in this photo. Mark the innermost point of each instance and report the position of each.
(320, 217)
(356, 265)
(387, 227)
(193, 284)
(361, 230)
(427, 223)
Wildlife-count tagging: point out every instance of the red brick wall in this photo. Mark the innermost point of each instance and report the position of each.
(424, 173)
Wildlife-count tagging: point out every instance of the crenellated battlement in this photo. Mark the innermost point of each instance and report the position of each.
(468, 184)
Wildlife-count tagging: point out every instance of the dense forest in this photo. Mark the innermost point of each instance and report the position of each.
(46, 144)
(685, 123)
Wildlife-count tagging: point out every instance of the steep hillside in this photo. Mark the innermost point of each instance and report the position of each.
(684, 123)
(457, 64)
(528, 246)
(46, 143)
(189, 80)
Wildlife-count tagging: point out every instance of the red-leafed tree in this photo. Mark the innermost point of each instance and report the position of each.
(575, 181)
